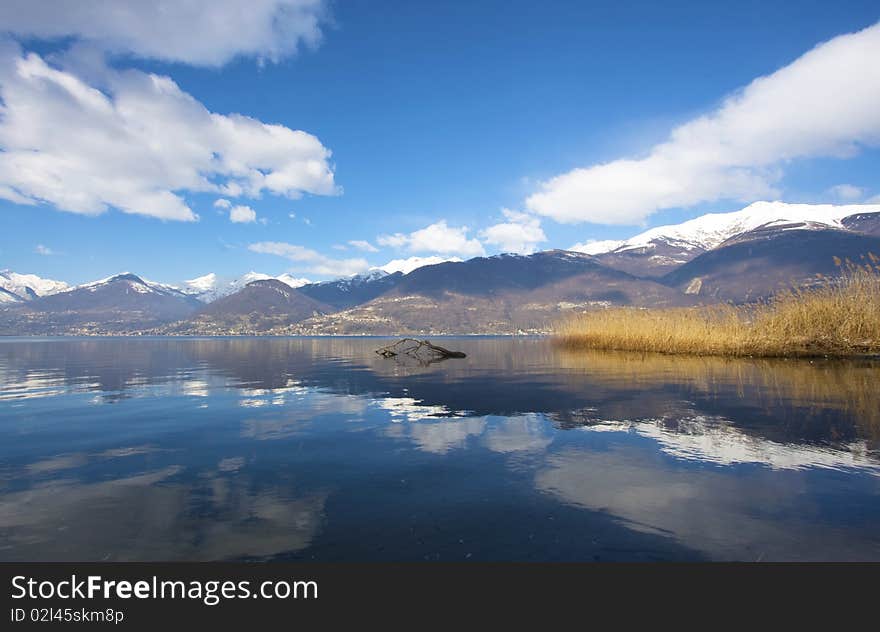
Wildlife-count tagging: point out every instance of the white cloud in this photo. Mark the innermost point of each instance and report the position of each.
(825, 103)
(408, 265)
(397, 240)
(520, 234)
(847, 192)
(40, 249)
(312, 260)
(201, 32)
(242, 215)
(138, 143)
(361, 244)
(221, 203)
(438, 237)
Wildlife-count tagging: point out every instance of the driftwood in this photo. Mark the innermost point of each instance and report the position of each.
(420, 350)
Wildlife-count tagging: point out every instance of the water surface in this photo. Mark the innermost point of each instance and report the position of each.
(317, 449)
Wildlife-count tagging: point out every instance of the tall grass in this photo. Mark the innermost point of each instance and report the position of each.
(835, 317)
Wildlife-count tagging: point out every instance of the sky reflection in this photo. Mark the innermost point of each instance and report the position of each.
(317, 449)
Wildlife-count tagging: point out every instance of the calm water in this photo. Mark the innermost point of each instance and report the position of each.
(301, 449)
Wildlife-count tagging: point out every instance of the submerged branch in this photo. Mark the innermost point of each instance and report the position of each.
(421, 350)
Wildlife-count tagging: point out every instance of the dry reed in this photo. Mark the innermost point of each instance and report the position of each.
(837, 316)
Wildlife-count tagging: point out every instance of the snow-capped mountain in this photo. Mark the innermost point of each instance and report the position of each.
(259, 305)
(659, 250)
(775, 256)
(348, 291)
(708, 231)
(210, 287)
(292, 281)
(413, 263)
(133, 283)
(27, 286)
(120, 303)
(742, 256)
(356, 280)
(202, 284)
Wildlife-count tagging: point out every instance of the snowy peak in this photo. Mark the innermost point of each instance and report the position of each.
(210, 287)
(598, 247)
(658, 251)
(132, 283)
(709, 231)
(267, 301)
(412, 263)
(25, 287)
(356, 280)
(292, 281)
(350, 291)
(122, 276)
(274, 285)
(202, 284)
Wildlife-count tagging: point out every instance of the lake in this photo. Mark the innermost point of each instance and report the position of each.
(318, 449)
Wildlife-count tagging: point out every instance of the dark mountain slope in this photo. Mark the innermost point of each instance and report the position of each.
(756, 264)
(7, 297)
(867, 223)
(653, 260)
(488, 276)
(345, 293)
(258, 306)
(505, 294)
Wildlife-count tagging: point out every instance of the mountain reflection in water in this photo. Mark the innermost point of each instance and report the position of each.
(316, 448)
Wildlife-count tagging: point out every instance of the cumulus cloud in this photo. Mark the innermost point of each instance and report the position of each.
(411, 263)
(242, 215)
(222, 203)
(40, 249)
(521, 233)
(311, 260)
(200, 32)
(438, 237)
(397, 240)
(137, 142)
(847, 192)
(825, 103)
(361, 244)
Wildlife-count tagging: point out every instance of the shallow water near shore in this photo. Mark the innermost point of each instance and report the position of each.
(318, 449)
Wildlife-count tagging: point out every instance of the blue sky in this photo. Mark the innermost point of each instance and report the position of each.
(434, 112)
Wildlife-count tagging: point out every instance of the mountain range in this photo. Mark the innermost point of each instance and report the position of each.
(210, 287)
(737, 257)
(16, 287)
(660, 250)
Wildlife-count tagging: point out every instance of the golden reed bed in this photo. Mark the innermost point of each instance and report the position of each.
(836, 317)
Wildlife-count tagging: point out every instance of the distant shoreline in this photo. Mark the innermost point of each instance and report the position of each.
(9, 337)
